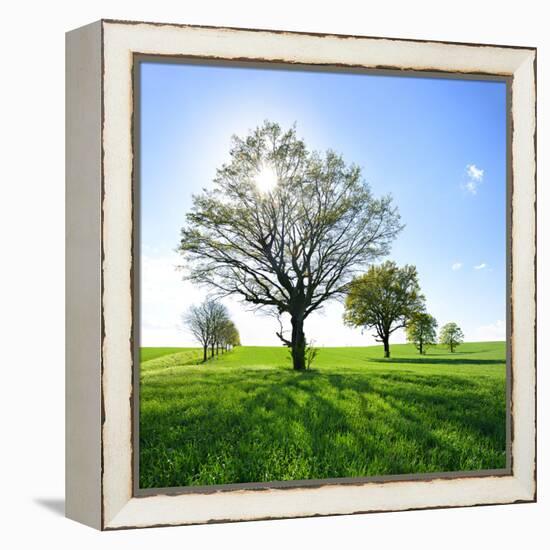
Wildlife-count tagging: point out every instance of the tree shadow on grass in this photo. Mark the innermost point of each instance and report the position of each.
(366, 383)
(313, 426)
(452, 398)
(436, 361)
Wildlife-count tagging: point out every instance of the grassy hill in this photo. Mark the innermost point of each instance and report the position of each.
(245, 416)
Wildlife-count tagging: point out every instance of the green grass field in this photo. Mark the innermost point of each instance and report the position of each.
(247, 416)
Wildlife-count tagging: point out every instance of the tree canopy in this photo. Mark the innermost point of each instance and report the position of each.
(384, 299)
(285, 228)
(229, 335)
(451, 336)
(421, 331)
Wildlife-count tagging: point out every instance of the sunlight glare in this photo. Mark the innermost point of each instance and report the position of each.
(266, 179)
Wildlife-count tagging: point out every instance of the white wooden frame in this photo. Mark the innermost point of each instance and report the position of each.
(99, 469)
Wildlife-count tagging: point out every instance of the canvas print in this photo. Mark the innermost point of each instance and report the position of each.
(322, 284)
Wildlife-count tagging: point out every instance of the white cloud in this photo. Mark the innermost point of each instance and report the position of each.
(492, 332)
(474, 177)
(456, 266)
(474, 172)
(482, 265)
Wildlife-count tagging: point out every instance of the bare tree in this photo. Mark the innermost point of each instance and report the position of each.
(205, 322)
(285, 228)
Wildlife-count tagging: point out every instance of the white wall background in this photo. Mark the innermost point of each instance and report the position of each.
(32, 285)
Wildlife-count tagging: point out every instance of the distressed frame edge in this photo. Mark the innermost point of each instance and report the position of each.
(83, 321)
(115, 21)
(524, 272)
(525, 492)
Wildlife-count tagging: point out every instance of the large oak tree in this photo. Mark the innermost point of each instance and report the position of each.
(285, 228)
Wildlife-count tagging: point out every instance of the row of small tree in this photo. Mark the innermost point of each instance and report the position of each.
(388, 297)
(210, 324)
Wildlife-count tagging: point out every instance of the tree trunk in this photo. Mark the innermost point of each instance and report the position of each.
(298, 347)
(212, 347)
(204, 353)
(386, 341)
(217, 349)
(421, 348)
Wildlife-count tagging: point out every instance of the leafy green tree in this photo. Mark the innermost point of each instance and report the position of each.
(219, 316)
(384, 299)
(234, 339)
(451, 336)
(229, 336)
(421, 331)
(285, 229)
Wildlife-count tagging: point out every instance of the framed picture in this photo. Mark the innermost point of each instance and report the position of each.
(300, 274)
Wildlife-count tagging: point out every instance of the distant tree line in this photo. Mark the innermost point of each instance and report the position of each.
(385, 298)
(211, 326)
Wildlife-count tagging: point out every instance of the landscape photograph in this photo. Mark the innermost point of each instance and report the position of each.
(322, 284)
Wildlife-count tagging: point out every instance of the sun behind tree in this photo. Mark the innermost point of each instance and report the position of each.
(285, 229)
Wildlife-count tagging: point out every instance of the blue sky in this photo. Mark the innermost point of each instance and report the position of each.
(437, 145)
